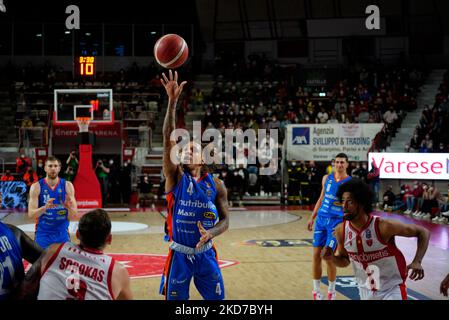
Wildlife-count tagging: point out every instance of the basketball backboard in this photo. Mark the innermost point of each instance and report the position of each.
(96, 104)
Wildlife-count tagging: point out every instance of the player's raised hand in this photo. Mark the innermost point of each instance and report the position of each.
(171, 85)
(205, 235)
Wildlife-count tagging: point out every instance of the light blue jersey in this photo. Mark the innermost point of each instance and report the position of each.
(331, 206)
(330, 214)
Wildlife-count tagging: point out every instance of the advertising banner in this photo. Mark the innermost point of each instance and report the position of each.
(322, 142)
(427, 166)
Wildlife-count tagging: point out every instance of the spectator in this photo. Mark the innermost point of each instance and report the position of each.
(374, 182)
(40, 171)
(330, 167)
(322, 116)
(72, 161)
(102, 173)
(431, 199)
(7, 176)
(417, 193)
(408, 198)
(22, 163)
(30, 177)
(145, 188)
(26, 122)
(69, 174)
(113, 182)
(414, 142)
(125, 181)
(388, 198)
(364, 115)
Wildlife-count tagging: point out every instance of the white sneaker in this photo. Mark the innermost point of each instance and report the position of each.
(427, 216)
(436, 219)
(331, 295)
(442, 220)
(385, 207)
(446, 214)
(317, 295)
(415, 213)
(407, 212)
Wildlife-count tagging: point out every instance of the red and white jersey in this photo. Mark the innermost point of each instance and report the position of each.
(73, 273)
(378, 266)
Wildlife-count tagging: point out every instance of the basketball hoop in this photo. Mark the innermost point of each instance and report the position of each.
(83, 123)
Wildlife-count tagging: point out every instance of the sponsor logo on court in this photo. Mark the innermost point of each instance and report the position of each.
(280, 243)
(147, 265)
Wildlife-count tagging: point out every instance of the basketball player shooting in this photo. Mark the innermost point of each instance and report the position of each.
(328, 214)
(52, 202)
(368, 243)
(197, 212)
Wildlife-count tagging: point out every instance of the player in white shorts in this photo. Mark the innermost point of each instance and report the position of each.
(368, 243)
(68, 271)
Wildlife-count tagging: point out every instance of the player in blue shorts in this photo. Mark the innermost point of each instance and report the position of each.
(197, 212)
(328, 213)
(52, 202)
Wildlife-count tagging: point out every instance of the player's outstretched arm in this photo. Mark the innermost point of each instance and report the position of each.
(31, 251)
(221, 202)
(29, 288)
(391, 228)
(173, 92)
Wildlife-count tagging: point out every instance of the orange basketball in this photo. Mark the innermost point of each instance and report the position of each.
(171, 51)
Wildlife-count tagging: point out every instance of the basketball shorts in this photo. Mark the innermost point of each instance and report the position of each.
(45, 239)
(324, 229)
(398, 292)
(181, 267)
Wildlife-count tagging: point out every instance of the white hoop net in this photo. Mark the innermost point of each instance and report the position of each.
(83, 124)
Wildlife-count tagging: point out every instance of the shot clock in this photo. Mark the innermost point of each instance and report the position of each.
(85, 66)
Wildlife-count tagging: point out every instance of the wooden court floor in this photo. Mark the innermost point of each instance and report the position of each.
(263, 272)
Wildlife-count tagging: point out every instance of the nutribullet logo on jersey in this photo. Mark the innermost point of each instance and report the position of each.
(248, 145)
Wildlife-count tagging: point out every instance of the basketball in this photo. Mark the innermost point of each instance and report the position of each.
(171, 51)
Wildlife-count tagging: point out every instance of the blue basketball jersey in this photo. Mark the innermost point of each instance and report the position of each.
(331, 206)
(54, 219)
(189, 202)
(11, 266)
